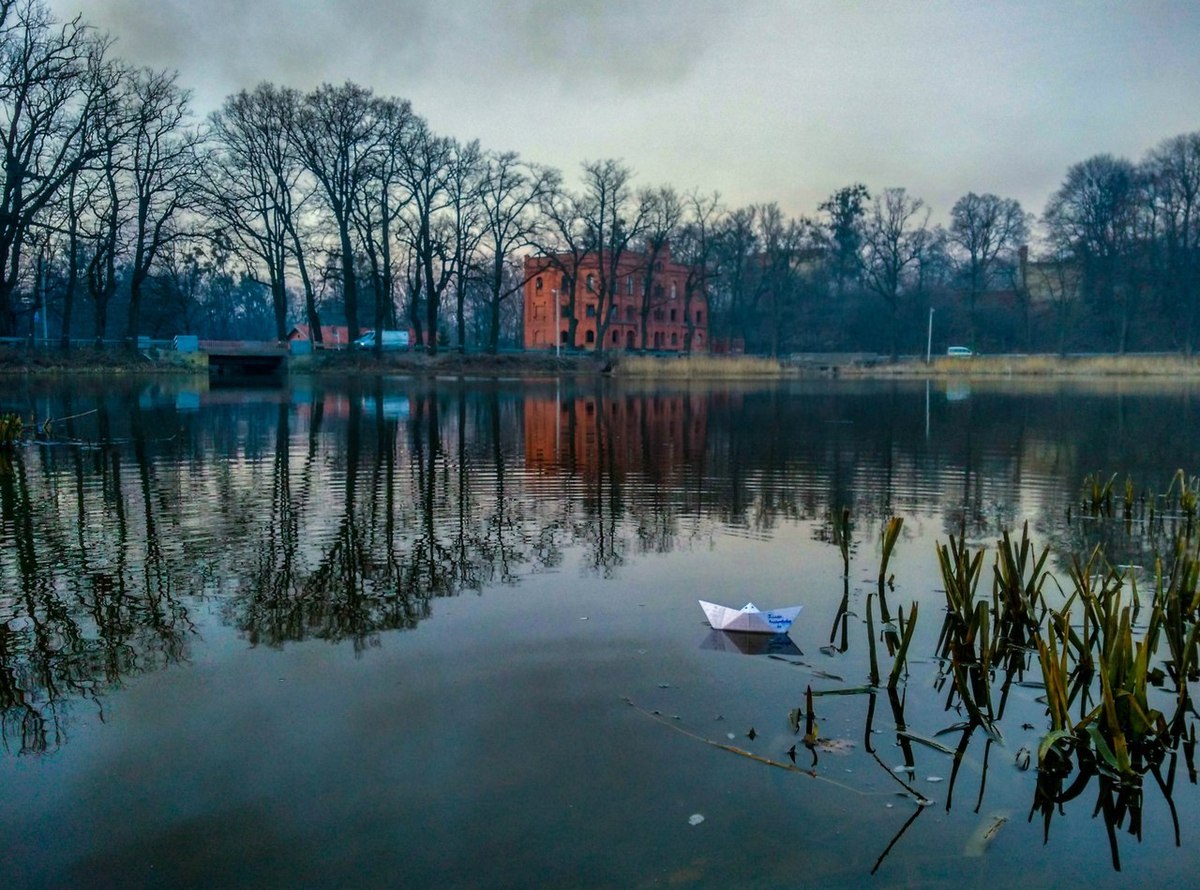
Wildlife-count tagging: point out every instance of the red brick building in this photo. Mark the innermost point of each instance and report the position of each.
(674, 322)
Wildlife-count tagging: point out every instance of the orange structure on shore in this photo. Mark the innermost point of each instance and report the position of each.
(669, 304)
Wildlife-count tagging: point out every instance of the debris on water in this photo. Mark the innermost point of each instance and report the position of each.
(933, 779)
(730, 736)
(840, 747)
(664, 685)
(695, 819)
(583, 618)
(751, 735)
(903, 768)
(1024, 758)
(792, 753)
(978, 843)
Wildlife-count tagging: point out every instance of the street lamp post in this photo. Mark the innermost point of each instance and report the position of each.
(929, 339)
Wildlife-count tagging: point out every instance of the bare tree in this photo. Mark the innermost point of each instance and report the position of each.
(613, 218)
(986, 230)
(380, 203)
(780, 240)
(695, 249)
(1095, 211)
(893, 237)
(163, 167)
(664, 210)
(734, 250)
(428, 159)
(336, 134)
(51, 76)
(1173, 169)
(97, 196)
(509, 193)
(563, 240)
(252, 189)
(464, 184)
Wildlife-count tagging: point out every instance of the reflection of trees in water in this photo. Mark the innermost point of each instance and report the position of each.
(410, 512)
(333, 519)
(90, 596)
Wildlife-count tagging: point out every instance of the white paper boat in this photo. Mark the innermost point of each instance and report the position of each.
(749, 618)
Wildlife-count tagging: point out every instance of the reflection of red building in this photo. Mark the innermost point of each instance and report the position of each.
(651, 434)
(673, 320)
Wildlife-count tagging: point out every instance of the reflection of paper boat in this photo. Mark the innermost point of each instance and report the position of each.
(749, 618)
(750, 644)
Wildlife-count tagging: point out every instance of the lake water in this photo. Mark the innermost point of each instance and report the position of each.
(446, 633)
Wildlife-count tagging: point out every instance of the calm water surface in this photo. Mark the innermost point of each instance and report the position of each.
(427, 634)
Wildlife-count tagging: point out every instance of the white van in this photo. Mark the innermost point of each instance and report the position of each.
(391, 340)
(959, 352)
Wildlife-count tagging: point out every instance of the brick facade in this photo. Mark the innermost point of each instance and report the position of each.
(670, 319)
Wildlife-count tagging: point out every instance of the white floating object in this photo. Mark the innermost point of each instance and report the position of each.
(695, 819)
(749, 618)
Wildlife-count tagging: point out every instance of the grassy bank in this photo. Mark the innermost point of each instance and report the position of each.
(720, 367)
(90, 360)
(1159, 365)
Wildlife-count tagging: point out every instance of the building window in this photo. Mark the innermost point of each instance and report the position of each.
(616, 337)
(629, 314)
(566, 311)
(562, 337)
(658, 291)
(538, 284)
(591, 283)
(672, 312)
(629, 285)
(658, 315)
(673, 290)
(674, 339)
(699, 317)
(563, 283)
(591, 336)
(591, 310)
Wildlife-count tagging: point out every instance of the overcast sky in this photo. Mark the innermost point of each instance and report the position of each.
(761, 100)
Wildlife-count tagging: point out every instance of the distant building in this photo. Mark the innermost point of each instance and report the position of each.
(1049, 280)
(332, 336)
(673, 322)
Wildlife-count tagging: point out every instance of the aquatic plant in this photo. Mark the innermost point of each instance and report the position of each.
(891, 533)
(841, 535)
(11, 428)
(906, 634)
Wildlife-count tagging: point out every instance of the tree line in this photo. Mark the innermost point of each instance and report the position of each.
(122, 215)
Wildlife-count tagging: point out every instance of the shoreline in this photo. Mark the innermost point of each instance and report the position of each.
(86, 360)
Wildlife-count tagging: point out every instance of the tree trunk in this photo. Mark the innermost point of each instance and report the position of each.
(349, 281)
